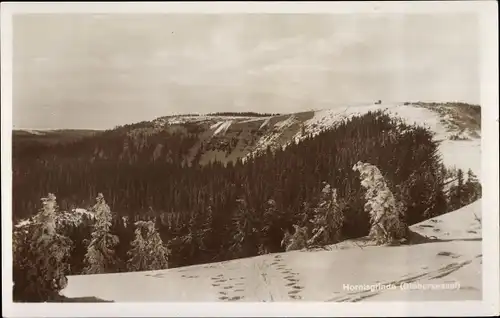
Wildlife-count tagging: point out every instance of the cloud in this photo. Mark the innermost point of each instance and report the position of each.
(137, 67)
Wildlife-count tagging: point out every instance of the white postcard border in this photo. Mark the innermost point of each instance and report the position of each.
(489, 102)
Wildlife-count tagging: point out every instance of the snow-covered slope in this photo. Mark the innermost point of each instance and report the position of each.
(223, 127)
(462, 154)
(450, 263)
(34, 132)
(447, 120)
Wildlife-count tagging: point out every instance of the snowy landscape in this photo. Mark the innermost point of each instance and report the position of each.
(444, 255)
(247, 158)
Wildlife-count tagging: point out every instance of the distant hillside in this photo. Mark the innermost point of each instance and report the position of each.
(52, 136)
(226, 137)
(37, 140)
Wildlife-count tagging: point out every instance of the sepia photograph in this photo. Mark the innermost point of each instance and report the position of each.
(232, 157)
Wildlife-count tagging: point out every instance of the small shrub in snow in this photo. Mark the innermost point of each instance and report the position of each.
(297, 240)
(458, 136)
(385, 216)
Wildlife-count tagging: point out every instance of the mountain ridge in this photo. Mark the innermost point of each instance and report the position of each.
(228, 138)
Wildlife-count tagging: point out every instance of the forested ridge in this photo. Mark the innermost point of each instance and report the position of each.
(217, 212)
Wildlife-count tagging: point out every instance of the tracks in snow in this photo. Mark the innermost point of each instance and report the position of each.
(229, 288)
(288, 277)
(266, 280)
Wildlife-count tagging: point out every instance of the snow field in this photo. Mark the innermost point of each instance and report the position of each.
(336, 274)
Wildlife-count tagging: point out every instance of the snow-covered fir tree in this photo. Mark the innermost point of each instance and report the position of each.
(41, 256)
(148, 251)
(387, 223)
(328, 218)
(100, 256)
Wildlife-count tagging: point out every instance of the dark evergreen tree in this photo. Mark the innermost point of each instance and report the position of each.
(458, 195)
(244, 241)
(328, 219)
(472, 187)
(271, 232)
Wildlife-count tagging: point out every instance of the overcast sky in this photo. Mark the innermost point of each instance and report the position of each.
(84, 71)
